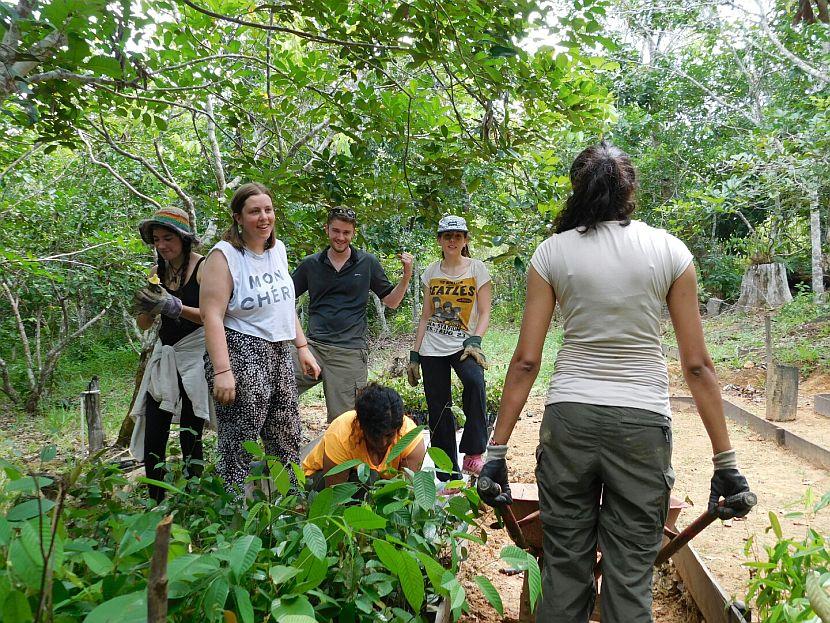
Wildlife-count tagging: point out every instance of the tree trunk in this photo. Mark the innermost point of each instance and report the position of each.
(764, 286)
(815, 247)
(384, 326)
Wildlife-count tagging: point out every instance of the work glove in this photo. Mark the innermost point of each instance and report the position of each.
(154, 300)
(413, 368)
(472, 348)
(726, 482)
(495, 468)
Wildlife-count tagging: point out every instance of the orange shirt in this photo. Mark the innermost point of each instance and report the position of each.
(340, 445)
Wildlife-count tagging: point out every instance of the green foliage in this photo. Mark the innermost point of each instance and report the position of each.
(779, 580)
(387, 550)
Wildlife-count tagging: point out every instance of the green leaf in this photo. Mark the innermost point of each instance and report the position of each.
(362, 518)
(16, 608)
(323, 504)
(281, 574)
(315, 541)
(515, 556)
(280, 476)
(5, 532)
(534, 580)
(292, 606)
(424, 485)
(30, 509)
(243, 603)
(435, 572)
(98, 563)
(342, 467)
(105, 65)
(160, 484)
(412, 581)
(131, 608)
(402, 443)
(215, 597)
(440, 458)
(29, 484)
(254, 449)
(490, 593)
(775, 524)
(48, 453)
(243, 554)
(388, 555)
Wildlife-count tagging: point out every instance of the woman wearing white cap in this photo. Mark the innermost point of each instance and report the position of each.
(454, 318)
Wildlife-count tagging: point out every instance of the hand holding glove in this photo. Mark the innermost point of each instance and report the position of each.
(413, 368)
(472, 348)
(726, 482)
(154, 300)
(495, 468)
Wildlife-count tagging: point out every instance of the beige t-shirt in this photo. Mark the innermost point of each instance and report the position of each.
(611, 284)
(455, 303)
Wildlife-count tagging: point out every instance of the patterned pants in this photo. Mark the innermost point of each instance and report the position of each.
(265, 407)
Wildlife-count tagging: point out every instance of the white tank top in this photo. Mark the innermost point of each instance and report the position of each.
(262, 301)
(612, 283)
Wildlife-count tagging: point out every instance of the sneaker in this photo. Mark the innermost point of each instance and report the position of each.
(473, 464)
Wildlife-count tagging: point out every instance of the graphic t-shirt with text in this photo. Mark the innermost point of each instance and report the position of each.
(455, 307)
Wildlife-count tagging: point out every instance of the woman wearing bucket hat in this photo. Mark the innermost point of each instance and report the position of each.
(247, 306)
(173, 385)
(454, 318)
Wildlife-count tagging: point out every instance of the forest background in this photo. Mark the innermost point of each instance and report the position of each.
(404, 111)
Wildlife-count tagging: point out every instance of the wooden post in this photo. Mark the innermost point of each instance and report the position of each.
(782, 393)
(157, 581)
(91, 408)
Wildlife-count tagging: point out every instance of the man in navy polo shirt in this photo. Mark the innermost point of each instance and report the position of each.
(338, 280)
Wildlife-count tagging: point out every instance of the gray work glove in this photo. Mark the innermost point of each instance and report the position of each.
(413, 368)
(726, 482)
(472, 348)
(495, 468)
(154, 300)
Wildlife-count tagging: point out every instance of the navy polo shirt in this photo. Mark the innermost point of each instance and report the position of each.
(337, 300)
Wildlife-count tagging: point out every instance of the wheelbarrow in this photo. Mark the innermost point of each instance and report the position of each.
(523, 523)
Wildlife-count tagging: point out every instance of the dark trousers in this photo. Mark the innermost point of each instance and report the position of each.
(604, 476)
(156, 434)
(438, 390)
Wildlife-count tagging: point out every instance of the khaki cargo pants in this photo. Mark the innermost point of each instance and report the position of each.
(604, 476)
(344, 371)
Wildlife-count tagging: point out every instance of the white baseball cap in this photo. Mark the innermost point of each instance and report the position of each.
(452, 223)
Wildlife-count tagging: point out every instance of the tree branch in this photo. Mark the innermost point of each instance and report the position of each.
(115, 174)
(292, 31)
(304, 139)
(801, 64)
(21, 329)
(215, 153)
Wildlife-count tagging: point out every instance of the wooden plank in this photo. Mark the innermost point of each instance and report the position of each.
(703, 588)
(782, 393)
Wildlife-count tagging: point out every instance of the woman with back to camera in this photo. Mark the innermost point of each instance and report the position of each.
(454, 318)
(604, 456)
(177, 352)
(247, 305)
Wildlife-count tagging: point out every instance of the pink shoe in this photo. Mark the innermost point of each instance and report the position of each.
(473, 464)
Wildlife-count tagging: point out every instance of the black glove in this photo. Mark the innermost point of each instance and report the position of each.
(495, 470)
(725, 483)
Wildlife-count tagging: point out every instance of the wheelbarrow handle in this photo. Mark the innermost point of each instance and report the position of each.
(513, 529)
(740, 502)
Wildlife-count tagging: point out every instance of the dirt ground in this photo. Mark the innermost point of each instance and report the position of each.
(780, 478)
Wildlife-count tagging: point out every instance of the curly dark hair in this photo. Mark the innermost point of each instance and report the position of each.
(379, 412)
(603, 182)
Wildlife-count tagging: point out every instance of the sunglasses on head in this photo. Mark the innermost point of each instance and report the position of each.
(347, 212)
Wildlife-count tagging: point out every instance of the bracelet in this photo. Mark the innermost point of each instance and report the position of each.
(215, 374)
(302, 346)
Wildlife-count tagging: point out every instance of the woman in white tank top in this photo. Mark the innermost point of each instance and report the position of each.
(604, 457)
(247, 305)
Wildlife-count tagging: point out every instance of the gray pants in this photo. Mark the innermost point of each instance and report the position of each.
(604, 476)
(344, 371)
